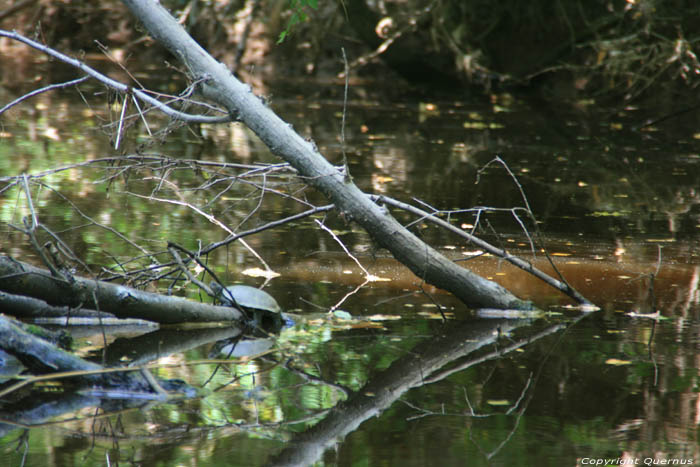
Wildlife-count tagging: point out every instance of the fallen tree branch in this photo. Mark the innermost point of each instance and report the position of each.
(122, 301)
(514, 260)
(21, 306)
(123, 88)
(220, 86)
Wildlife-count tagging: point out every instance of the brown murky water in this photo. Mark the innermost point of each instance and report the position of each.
(618, 207)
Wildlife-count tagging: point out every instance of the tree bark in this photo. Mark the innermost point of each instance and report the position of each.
(122, 301)
(223, 88)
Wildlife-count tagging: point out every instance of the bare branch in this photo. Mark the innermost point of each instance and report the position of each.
(528, 210)
(123, 88)
(516, 261)
(36, 92)
(269, 225)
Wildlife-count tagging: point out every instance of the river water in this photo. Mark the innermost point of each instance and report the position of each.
(616, 201)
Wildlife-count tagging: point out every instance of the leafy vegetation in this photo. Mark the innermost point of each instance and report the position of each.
(299, 10)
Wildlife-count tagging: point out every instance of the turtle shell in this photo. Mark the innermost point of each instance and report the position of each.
(247, 297)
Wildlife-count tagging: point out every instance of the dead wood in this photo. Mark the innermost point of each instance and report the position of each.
(121, 301)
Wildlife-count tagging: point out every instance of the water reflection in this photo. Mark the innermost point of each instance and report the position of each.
(619, 211)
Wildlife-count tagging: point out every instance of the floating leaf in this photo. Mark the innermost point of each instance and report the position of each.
(508, 314)
(617, 362)
(373, 278)
(257, 272)
(607, 214)
(381, 317)
(434, 315)
(498, 402)
(473, 253)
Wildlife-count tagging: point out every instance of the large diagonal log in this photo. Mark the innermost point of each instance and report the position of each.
(223, 88)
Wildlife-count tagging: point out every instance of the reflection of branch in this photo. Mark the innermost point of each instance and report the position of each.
(423, 412)
(435, 377)
(385, 387)
(315, 379)
(347, 295)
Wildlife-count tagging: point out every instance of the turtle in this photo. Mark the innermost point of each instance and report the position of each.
(246, 298)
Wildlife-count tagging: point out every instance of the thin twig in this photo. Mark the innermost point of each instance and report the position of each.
(120, 127)
(233, 237)
(36, 92)
(186, 271)
(123, 88)
(345, 106)
(538, 232)
(94, 222)
(501, 253)
(30, 227)
(368, 277)
(210, 218)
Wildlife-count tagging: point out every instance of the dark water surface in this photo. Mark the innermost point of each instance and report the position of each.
(617, 204)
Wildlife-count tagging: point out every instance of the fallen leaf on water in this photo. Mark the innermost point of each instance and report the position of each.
(381, 317)
(429, 315)
(617, 362)
(657, 316)
(257, 272)
(364, 325)
(498, 402)
(473, 253)
(51, 133)
(373, 278)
